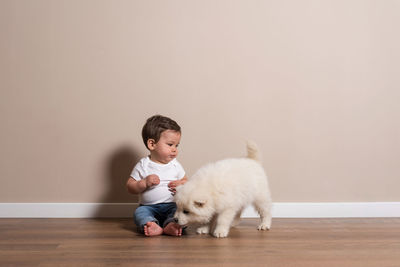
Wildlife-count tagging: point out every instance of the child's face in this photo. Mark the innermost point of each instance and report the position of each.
(166, 149)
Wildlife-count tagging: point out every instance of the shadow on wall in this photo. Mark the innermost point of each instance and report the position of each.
(119, 166)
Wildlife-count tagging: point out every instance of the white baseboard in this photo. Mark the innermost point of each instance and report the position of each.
(66, 210)
(331, 210)
(124, 210)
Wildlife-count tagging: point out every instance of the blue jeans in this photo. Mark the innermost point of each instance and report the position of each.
(162, 214)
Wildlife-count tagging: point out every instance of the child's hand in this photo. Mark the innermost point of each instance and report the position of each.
(151, 180)
(172, 186)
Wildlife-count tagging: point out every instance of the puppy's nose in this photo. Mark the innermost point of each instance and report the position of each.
(176, 220)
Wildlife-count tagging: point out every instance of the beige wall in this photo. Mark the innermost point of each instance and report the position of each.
(314, 83)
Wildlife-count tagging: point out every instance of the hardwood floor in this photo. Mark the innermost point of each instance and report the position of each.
(114, 242)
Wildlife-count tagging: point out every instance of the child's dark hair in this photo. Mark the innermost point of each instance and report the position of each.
(157, 124)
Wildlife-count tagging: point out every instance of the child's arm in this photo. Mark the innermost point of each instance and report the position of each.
(183, 180)
(137, 187)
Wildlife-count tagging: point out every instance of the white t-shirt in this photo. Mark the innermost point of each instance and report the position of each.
(169, 172)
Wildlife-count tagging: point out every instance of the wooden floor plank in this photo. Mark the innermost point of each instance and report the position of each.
(291, 242)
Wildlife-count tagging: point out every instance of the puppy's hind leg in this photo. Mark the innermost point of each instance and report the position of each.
(264, 206)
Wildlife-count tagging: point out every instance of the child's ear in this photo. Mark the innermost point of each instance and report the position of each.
(151, 143)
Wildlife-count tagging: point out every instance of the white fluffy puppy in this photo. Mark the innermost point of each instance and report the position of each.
(218, 193)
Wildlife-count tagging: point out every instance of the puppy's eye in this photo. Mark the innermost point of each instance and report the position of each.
(185, 212)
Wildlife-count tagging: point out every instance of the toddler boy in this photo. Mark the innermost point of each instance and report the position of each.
(156, 177)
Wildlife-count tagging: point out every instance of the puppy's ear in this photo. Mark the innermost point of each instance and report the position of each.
(200, 203)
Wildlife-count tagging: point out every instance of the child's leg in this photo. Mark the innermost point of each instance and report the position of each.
(170, 226)
(173, 229)
(146, 221)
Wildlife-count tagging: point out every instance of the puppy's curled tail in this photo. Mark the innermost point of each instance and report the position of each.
(252, 151)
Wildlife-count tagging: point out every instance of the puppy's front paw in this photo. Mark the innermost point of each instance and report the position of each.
(221, 232)
(263, 227)
(203, 230)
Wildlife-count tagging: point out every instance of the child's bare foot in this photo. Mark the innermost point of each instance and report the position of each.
(173, 229)
(152, 229)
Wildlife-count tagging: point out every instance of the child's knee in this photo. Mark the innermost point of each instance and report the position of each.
(139, 210)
